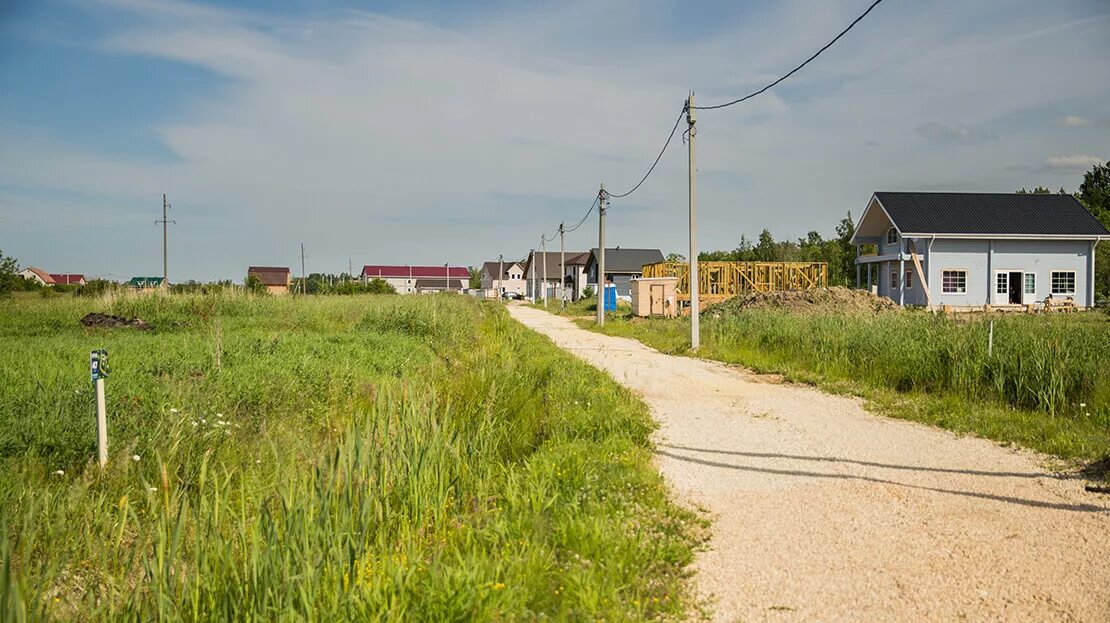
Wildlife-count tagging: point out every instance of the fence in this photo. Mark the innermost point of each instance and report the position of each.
(719, 281)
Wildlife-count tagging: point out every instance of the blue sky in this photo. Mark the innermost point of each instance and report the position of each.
(402, 132)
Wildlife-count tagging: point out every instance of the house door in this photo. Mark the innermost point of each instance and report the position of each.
(657, 308)
(1014, 291)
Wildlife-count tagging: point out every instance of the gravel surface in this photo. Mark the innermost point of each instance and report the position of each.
(824, 512)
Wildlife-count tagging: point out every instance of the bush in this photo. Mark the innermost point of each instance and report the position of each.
(254, 285)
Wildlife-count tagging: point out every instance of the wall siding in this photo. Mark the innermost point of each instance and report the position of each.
(1040, 257)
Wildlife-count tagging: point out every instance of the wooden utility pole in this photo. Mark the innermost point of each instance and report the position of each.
(691, 120)
(601, 256)
(302, 270)
(562, 268)
(165, 239)
(543, 249)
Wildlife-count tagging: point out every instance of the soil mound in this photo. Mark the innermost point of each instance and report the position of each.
(836, 299)
(112, 322)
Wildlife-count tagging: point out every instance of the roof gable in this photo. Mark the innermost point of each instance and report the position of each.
(404, 271)
(1005, 214)
(271, 275)
(618, 260)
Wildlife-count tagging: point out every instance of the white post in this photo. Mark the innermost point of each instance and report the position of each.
(98, 360)
(532, 265)
(990, 339)
(563, 268)
(601, 257)
(695, 332)
(543, 249)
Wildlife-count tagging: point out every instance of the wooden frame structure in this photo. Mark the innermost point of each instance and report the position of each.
(720, 281)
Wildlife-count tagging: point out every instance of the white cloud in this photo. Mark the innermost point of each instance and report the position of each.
(1072, 163)
(1072, 121)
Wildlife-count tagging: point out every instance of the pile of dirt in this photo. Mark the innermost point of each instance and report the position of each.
(836, 299)
(109, 321)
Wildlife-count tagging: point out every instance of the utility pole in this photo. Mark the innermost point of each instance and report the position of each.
(500, 275)
(165, 238)
(543, 249)
(601, 256)
(691, 120)
(350, 270)
(562, 268)
(532, 265)
(447, 270)
(302, 269)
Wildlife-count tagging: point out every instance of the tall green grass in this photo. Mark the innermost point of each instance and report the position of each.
(402, 458)
(1045, 384)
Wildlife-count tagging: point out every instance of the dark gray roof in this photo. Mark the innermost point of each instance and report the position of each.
(989, 213)
(552, 261)
(490, 268)
(433, 283)
(626, 261)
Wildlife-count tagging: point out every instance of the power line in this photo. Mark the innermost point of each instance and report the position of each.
(657, 158)
(584, 216)
(795, 70)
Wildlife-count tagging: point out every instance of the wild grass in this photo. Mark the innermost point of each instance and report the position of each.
(1045, 385)
(370, 457)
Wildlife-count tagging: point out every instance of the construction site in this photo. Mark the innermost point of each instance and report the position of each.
(721, 281)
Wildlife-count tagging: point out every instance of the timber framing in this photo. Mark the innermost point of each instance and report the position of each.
(720, 281)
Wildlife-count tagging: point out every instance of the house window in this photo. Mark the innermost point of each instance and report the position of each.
(1002, 283)
(953, 282)
(1063, 282)
(893, 280)
(1031, 284)
(909, 278)
(891, 236)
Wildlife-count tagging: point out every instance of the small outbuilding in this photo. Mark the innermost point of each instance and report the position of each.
(275, 278)
(655, 296)
(975, 249)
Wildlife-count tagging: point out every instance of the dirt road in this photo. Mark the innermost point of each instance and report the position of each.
(822, 511)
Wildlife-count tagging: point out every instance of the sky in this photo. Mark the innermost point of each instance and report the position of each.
(429, 132)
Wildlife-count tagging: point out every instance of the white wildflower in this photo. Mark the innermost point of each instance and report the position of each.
(219, 415)
(173, 410)
(60, 472)
(136, 458)
(203, 421)
(258, 461)
(1082, 405)
(195, 423)
(152, 489)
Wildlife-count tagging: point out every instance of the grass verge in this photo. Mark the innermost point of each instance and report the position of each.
(1045, 385)
(402, 458)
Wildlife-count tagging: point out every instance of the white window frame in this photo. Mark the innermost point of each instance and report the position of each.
(909, 278)
(1005, 279)
(893, 279)
(892, 232)
(953, 270)
(1025, 293)
(1052, 282)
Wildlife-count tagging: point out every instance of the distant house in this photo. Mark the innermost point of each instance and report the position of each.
(978, 249)
(574, 280)
(538, 265)
(404, 278)
(621, 265)
(146, 283)
(510, 279)
(275, 278)
(37, 275)
(67, 279)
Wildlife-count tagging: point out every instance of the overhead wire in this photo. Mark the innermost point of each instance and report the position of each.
(584, 216)
(796, 69)
(670, 137)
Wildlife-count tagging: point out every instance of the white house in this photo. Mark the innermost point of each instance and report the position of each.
(503, 277)
(975, 249)
(541, 268)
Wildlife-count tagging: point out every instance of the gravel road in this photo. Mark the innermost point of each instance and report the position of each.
(824, 512)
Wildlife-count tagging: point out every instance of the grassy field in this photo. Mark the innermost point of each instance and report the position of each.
(1046, 385)
(368, 457)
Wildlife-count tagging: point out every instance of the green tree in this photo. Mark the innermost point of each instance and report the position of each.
(380, 286)
(254, 285)
(475, 278)
(9, 273)
(1094, 194)
(765, 249)
(675, 257)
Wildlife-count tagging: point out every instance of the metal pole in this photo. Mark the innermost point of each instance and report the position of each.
(532, 265)
(500, 275)
(302, 269)
(695, 332)
(990, 339)
(601, 257)
(543, 249)
(101, 425)
(562, 268)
